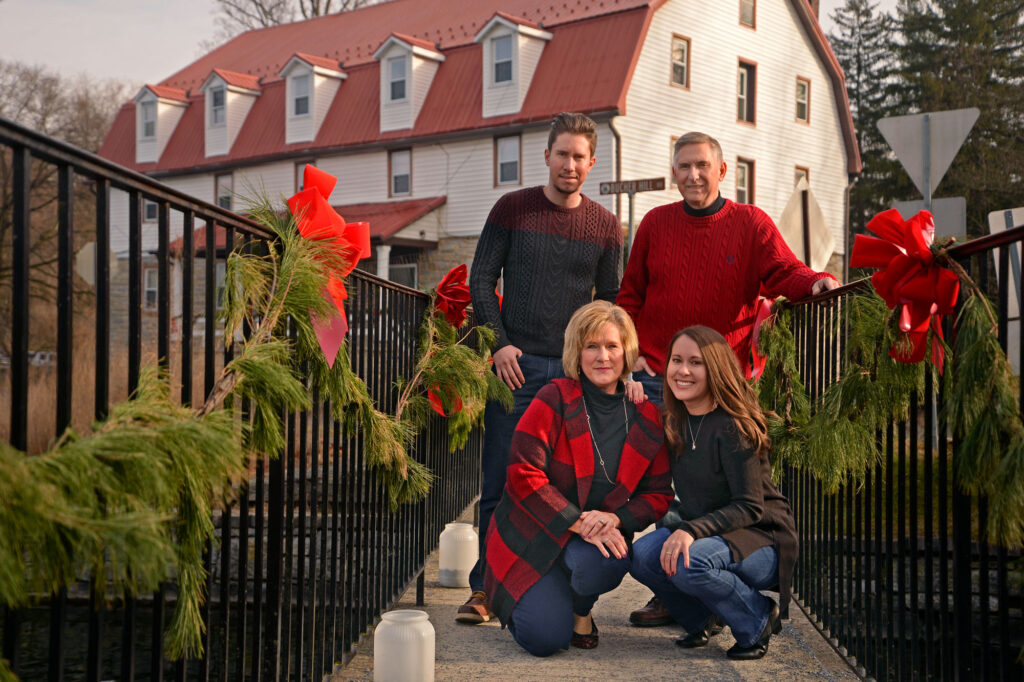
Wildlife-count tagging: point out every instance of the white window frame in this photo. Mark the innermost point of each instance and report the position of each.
(805, 101)
(746, 92)
(150, 211)
(744, 181)
(394, 80)
(300, 168)
(218, 112)
(507, 156)
(503, 61)
(303, 96)
(751, 6)
(224, 190)
(684, 65)
(403, 157)
(150, 288)
(147, 116)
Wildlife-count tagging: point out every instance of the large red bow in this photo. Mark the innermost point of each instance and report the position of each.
(452, 297)
(910, 278)
(348, 241)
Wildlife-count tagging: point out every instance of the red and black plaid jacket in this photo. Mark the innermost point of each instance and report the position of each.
(552, 456)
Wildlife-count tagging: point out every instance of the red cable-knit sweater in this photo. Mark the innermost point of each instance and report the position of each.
(684, 270)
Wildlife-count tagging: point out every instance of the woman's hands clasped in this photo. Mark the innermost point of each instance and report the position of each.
(678, 544)
(600, 529)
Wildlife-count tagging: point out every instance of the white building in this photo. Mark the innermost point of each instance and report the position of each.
(427, 111)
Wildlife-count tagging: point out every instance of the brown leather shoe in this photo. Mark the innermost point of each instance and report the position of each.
(651, 615)
(476, 610)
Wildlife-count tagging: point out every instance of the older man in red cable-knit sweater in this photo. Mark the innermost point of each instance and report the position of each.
(704, 260)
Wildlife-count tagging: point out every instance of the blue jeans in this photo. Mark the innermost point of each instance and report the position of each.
(499, 425)
(541, 622)
(653, 386)
(714, 584)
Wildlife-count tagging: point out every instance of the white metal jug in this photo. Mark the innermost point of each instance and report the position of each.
(403, 647)
(459, 551)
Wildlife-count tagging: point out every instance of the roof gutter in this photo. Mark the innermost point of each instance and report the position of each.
(618, 165)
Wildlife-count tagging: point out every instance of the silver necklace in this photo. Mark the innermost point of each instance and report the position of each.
(689, 427)
(593, 439)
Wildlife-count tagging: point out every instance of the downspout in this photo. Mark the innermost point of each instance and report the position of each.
(846, 225)
(618, 166)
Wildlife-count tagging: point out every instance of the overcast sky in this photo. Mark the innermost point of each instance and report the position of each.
(139, 41)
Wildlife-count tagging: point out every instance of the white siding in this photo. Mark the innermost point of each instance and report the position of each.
(655, 111)
(529, 56)
(197, 186)
(299, 128)
(423, 71)
(325, 88)
(501, 98)
(238, 106)
(395, 115)
(361, 177)
(167, 116)
(275, 181)
(429, 227)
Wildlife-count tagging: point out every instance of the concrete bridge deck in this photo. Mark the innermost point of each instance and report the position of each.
(471, 652)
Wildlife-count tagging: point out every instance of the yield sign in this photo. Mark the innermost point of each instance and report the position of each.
(926, 143)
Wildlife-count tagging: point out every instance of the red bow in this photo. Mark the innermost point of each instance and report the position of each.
(909, 277)
(350, 242)
(452, 296)
(435, 400)
(757, 361)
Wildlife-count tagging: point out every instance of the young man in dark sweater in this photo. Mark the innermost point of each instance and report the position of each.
(554, 250)
(704, 260)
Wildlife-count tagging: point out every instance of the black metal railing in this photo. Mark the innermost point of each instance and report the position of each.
(898, 572)
(309, 553)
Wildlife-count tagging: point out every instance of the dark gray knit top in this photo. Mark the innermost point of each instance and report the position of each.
(553, 260)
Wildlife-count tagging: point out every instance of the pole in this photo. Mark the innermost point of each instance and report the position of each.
(805, 213)
(629, 233)
(926, 121)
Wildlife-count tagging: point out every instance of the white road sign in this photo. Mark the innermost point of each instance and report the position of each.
(926, 143)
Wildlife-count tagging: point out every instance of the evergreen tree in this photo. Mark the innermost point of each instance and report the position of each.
(970, 53)
(863, 42)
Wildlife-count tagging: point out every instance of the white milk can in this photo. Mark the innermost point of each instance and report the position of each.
(458, 553)
(403, 647)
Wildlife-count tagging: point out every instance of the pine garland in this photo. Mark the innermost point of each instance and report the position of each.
(130, 503)
(839, 441)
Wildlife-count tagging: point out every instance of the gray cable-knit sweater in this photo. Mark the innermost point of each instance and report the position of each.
(553, 261)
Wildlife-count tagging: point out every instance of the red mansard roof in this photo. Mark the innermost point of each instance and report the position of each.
(313, 60)
(599, 77)
(165, 92)
(415, 42)
(517, 20)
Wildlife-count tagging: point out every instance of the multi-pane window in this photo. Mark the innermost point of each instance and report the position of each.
(224, 191)
(748, 12)
(801, 173)
(149, 288)
(300, 171)
(400, 164)
(746, 91)
(744, 181)
(403, 273)
(681, 61)
(397, 77)
(502, 54)
(507, 160)
(217, 116)
(300, 95)
(149, 211)
(803, 100)
(148, 119)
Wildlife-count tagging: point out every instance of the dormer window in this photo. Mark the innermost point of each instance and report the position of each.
(396, 73)
(148, 120)
(217, 117)
(502, 50)
(300, 95)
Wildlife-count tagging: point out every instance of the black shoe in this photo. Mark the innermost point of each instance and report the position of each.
(760, 647)
(701, 637)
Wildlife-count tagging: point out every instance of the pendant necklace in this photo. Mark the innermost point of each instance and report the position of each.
(689, 427)
(593, 439)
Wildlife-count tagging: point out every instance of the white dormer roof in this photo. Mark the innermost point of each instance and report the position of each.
(511, 51)
(166, 106)
(511, 23)
(240, 91)
(416, 61)
(322, 78)
(417, 46)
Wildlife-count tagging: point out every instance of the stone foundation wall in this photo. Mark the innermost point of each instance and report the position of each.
(450, 251)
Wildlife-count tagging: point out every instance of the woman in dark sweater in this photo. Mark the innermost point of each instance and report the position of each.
(587, 469)
(734, 535)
